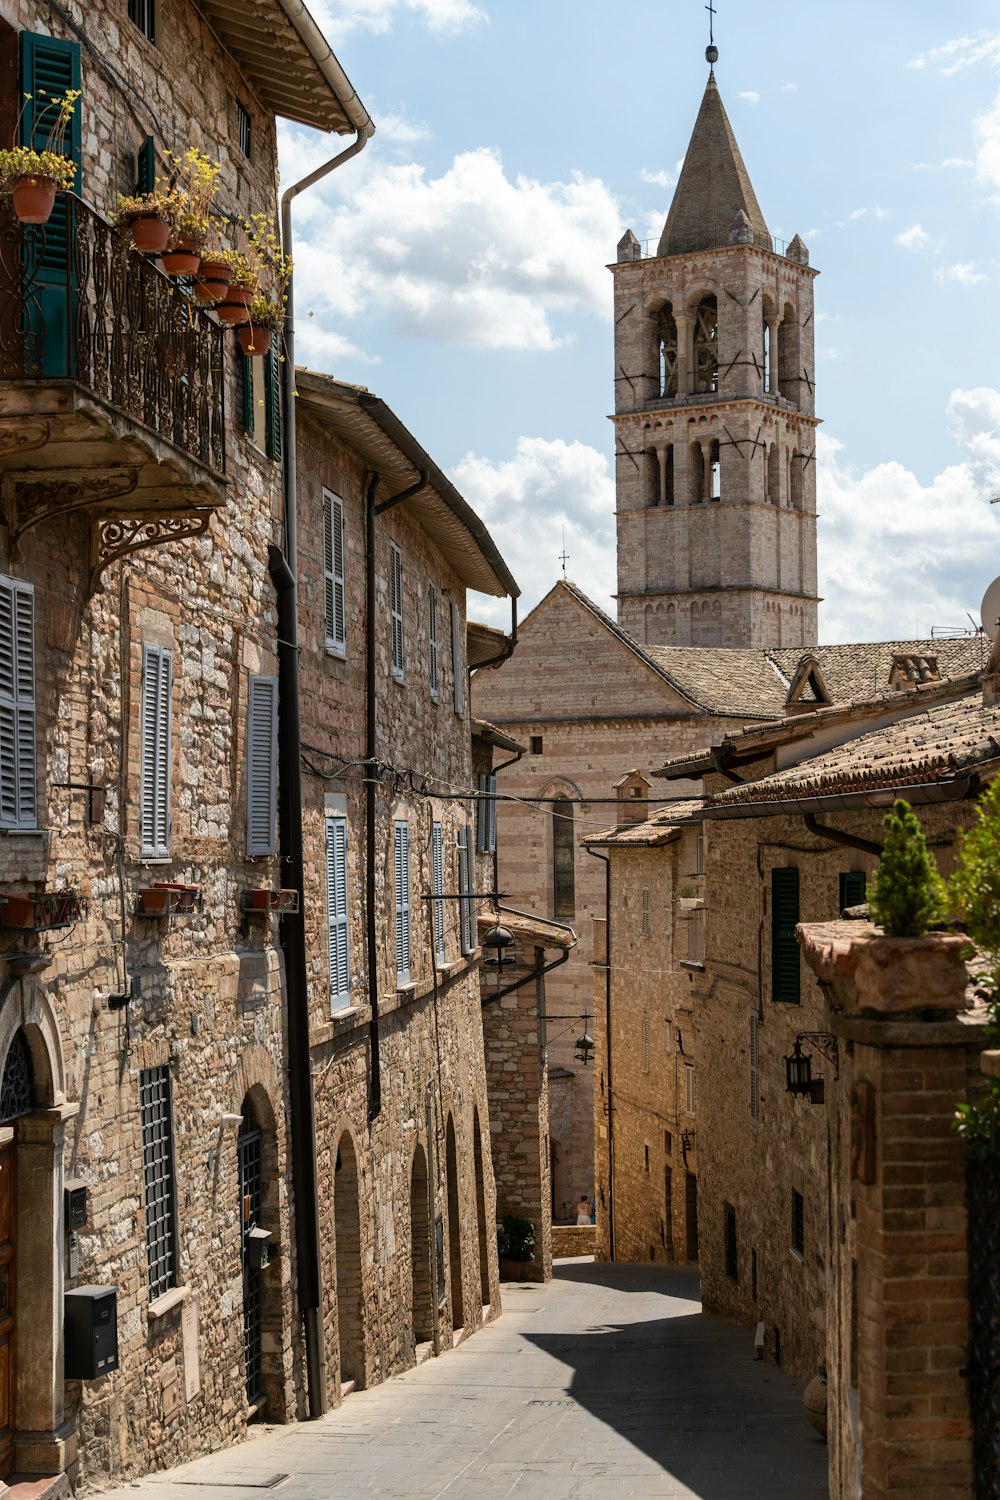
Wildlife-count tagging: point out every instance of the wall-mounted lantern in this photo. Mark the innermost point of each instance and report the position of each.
(585, 1045)
(798, 1066)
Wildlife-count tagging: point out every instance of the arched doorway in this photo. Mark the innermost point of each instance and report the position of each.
(454, 1230)
(17, 1098)
(347, 1241)
(420, 1250)
(250, 1148)
(484, 1254)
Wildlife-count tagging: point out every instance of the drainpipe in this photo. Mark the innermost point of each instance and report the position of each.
(508, 646)
(302, 1127)
(607, 1032)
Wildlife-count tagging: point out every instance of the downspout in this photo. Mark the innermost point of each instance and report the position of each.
(508, 647)
(838, 836)
(302, 1124)
(607, 1032)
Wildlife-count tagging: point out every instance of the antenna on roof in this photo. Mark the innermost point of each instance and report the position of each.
(711, 51)
(564, 555)
(989, 610)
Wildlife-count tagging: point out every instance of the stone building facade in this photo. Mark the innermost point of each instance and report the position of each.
(141, 1051)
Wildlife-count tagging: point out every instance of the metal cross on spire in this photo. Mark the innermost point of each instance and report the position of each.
(564, 555)
(711, 51)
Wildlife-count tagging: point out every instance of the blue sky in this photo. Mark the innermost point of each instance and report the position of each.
(457, 267)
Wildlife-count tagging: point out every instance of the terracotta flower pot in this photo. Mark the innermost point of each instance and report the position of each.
(150, 233)
(183, 256)
(235, 309)
(255, 341)
(213, 281)
(33, 199)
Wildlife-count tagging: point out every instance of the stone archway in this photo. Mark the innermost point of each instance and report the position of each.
(454, 1229)
(347, 1241)
(422, 1295)
(37, 1138)
(259, 1185)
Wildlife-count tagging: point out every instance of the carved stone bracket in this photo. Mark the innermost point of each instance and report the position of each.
(38, 500)
(111, 539)
(20, 436)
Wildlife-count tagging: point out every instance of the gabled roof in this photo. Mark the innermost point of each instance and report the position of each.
(807, 690)
(714, 186)
(661, 828)
(372, 429)
(288, 62)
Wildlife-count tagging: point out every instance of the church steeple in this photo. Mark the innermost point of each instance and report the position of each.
(714, 186)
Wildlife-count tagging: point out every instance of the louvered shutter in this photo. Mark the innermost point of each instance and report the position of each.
(467, 914)
(145, 167)
(437, 875)
(396, 607)
(852, 888)
(49, 67)
(17, 705)
(246, 393)
(154, 816)
(486, 815)
(401, 848)
(785, 985)
(432, 640)
(272, 400)
(754, 1058)
(262, 764)
(457, 658)
(333, 572)
(336, 913)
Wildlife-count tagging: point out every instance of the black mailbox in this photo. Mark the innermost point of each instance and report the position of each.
(76, 1204)
(91, 1332)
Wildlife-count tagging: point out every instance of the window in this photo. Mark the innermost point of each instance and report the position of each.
(333, 573)
(798, 1224)
(433, 674)
(486, 815)
(563, 859)
(458, 658)
(272, 399)
(645, 1041)
(853, 885)
(158, 1179)
(396, 608)
(18, 808)
(668, 1033)
(645, 912)
(535, 744)
(244, 128)
(260, 392)
(732, 1265)
(401, 851)
(645, 1151)
(466, 905)
(785, 985)
(690, 1096)
(753, 1053)
(262, 762)
(699, 855)
(154, 794)
(696, 936)
(437, 889)
(337, 927)
(143, 15)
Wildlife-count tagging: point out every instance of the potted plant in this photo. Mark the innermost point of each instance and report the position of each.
(32, 175)
(234, 308)
(212, 281)
(147, 217)
(194, 185)
(516, 1246)
(274, 270)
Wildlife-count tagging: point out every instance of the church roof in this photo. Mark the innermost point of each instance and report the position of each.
(714, 186)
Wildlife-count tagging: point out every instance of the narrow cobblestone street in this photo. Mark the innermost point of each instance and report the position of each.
(608, 1383)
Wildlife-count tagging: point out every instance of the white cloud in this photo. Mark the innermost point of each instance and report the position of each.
(987, 132)
(950, 164)
(441, 17)
(964, 273)
(914, 238)
(398, 128)
(789, 88)
(962, 52)
(898, 556)
(526, 501)
(471, 257)
(664, 178)
(749, 96)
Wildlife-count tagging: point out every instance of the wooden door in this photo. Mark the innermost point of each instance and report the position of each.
(7, 1227)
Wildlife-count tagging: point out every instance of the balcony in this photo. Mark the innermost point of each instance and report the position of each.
(111, 388)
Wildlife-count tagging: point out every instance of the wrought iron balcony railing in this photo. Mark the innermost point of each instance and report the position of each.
(78, 303)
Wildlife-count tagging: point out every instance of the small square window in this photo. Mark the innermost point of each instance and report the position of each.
(798, 1223)
(142, 14)
(536, 744)
(244, 130)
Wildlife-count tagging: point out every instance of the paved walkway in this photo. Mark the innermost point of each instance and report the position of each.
(609, 1384)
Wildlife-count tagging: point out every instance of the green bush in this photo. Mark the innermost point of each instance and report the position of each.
(974, 890)
(515, 1238)
(906, 895)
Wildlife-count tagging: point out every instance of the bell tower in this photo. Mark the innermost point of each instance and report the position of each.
(715, 415)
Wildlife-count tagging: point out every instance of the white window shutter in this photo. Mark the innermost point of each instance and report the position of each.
(333, 572)
(262, 764)
(17, 705)
(401, 851)
(467, 905)
(338, 928)
(396, 608)
(157, 680)
(437, 876)
(432, 640)
(457, 658)
(492, 826)
(486, 815)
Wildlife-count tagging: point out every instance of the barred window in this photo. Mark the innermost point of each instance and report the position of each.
(798, 1223)
(158, 1179)
(142, 14)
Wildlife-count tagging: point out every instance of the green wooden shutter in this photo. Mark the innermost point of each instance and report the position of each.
(852, 888)
(145, 166)
(246, 389)
(272, 401)
(785, 980)
(48, 68)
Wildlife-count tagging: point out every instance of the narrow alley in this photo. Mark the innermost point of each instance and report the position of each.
(609, 1384)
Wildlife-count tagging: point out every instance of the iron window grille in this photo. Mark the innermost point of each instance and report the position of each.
(142, 13)
(158, 1180)
(250, 1147)
(17, 1092)
(244, 127)
(798, 1223)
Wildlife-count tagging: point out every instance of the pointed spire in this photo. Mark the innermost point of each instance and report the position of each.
(714, 186)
